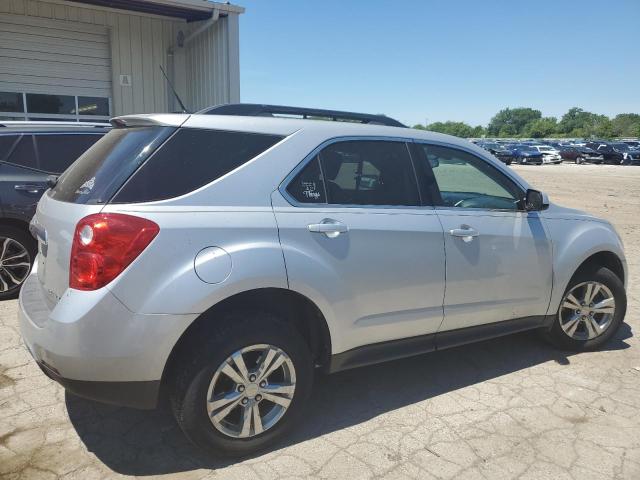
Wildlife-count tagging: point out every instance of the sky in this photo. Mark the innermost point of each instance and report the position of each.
(426, 61)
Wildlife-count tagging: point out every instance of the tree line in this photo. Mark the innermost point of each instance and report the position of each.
(529, 123)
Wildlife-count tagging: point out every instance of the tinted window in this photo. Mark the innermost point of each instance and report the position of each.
(465, 181)
(57, 152)
(101, 170)
(41, 103)
(308, 185)
(6, 142)
(369, 173)
(190, 159)
(24, 154)
(11, 102)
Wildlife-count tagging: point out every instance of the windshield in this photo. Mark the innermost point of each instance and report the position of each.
(527, 148)
(96, 176)
(545, 149)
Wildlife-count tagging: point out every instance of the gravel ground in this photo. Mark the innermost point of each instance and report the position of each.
(507, 408)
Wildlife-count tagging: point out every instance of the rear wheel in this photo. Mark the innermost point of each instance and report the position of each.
(579, 160)
(17, 253)
(591, 311)
(244, 386)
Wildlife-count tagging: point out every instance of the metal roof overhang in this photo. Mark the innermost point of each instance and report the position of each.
(189, 10)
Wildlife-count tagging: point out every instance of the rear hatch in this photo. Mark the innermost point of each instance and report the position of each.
(84, 189)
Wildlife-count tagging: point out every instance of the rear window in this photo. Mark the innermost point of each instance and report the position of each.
(101, 170)
(190, 159)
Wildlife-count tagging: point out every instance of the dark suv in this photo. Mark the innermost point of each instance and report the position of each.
(30, 152)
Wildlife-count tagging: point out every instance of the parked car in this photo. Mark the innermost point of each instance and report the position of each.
(580, 155)
(224, 260)
(549, 154)
(499, 151)
(29, 153)
(526, 154)
(615, 153)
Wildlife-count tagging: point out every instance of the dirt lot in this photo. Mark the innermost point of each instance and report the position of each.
(507, 408)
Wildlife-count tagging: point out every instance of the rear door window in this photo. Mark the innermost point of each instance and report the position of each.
(367, 172)
(103, 168)
(57, 151)
(190, 159)
(24, 153)
(6, 144)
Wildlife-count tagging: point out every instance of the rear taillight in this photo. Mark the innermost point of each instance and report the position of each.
(104, 244)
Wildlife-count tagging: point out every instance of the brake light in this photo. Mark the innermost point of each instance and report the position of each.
(104, 244)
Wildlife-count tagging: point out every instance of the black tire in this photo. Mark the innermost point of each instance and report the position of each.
(27, 242)
(602, 275)
(207, 350)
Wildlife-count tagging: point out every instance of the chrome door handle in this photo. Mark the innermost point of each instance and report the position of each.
(465, 232)
(331, 228)
(30, 188)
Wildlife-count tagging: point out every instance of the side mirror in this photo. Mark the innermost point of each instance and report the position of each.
(535, 201)
(434, 161)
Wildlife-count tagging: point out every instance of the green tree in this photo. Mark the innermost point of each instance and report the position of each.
(458, 129)
(580, 123)
(512, 121)
(541, 128)
(626, 125)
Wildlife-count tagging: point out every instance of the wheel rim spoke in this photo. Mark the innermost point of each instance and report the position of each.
(605, 306)
(241, 401)
(222, 400)
(571, 302)
(257, 420)
(571, 326)
(232, 374)
(592, 327)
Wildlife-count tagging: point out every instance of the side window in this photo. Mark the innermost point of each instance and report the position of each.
(466, 181)
(190, 159)
(57, 152)
(24, 154)
(369, 173)
(308, 185)
(6, 143)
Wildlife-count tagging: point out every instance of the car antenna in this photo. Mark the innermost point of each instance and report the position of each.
(184, 109)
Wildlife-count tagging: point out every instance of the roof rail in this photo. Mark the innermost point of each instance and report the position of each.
(51, 123)
(259, 110)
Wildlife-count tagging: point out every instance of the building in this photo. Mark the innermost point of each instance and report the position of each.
(94, 59)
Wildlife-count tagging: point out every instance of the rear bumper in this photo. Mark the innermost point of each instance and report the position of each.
(90, 343)
(142, 395)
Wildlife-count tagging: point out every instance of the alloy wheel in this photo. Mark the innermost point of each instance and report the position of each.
(251, 391)
(15, 263)
(587, 310)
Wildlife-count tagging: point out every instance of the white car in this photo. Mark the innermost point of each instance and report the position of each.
(549, 154)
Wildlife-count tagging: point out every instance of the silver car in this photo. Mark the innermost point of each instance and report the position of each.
(225, 260)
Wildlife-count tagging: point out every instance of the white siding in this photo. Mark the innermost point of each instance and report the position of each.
(207, 70)
(40, 55)
(212, 64)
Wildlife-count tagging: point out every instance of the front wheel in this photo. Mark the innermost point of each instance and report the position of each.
(243, 386)
(591, 311)
(579, 160)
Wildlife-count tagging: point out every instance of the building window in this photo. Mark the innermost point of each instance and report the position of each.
(38, 106)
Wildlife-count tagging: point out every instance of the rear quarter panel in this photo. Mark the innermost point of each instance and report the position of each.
(163, 278)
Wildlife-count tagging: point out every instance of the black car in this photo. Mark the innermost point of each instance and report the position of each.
(502, 153)
(31, 152)
(616, 153)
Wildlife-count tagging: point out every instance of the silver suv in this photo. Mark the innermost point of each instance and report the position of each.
(224, 260)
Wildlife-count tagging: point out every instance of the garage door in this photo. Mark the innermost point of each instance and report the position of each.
(53, 57)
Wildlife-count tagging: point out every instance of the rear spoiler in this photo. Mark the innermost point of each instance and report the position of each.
(152, 120)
